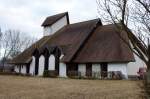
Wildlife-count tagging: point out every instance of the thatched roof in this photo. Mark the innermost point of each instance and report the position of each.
(105, 45)
(84, 42)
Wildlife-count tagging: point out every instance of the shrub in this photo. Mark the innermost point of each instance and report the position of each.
(74, 74)
(117, 75)
(50, 73)
(96, 75)
(45, 73)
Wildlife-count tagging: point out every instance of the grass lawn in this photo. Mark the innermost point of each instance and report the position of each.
(16, 87)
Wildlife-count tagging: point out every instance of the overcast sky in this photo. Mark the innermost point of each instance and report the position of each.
(28, 15)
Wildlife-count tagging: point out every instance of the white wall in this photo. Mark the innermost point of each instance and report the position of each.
(41, 65)
(51, 62)
(82, 69)
(62, 70)
(118, 67)
(49, 30)
(133, 67)
(16, 69)
(23, 69)
(96, 68)
(32, 66)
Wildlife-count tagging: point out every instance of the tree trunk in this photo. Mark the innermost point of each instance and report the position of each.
(147, 76)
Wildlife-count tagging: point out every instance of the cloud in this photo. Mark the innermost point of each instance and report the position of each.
(28, 15)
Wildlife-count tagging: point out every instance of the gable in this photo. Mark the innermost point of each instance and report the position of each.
(105, 45)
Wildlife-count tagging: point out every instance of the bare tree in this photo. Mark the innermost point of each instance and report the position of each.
(14, 42)
(0, 39)
(131, 16)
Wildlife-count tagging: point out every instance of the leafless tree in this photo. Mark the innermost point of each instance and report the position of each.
(0, 39)
(133, 17)
(14, 42)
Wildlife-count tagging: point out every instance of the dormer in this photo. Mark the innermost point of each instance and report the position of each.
(53, 23)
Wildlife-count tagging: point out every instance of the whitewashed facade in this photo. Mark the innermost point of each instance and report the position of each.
(118, 67)
(23, 69)
(32, 66)
(51, 62)
(82, 69)
(62, 70)
(130, 68)
(41, 65)
(133, 67)
(16, 69)
(49, 30)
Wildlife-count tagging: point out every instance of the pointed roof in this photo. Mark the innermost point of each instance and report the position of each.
(69, 39)
(105, 45)
(84, 42)
(52, 19)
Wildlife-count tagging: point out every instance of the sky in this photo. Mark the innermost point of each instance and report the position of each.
(28, 15)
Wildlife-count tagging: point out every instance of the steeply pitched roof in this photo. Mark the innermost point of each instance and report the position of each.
(72, 37)
(105, 45)
(67, 38)
(52, 19)
(84, 42)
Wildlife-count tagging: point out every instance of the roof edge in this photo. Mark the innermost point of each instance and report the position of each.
(63, 14)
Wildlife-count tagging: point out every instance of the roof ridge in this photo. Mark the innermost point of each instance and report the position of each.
(98, 19)
(84, 40)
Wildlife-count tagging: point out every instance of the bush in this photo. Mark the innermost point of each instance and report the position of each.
(96, 75)
(50, 73)
(117, 75)
(46, 73)
(74, 74)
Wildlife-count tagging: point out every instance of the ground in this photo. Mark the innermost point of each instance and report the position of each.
(17, 87)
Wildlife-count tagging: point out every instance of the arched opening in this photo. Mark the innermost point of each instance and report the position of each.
(52, 55)
(32, 66)
(51, 62)
(41, 65)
